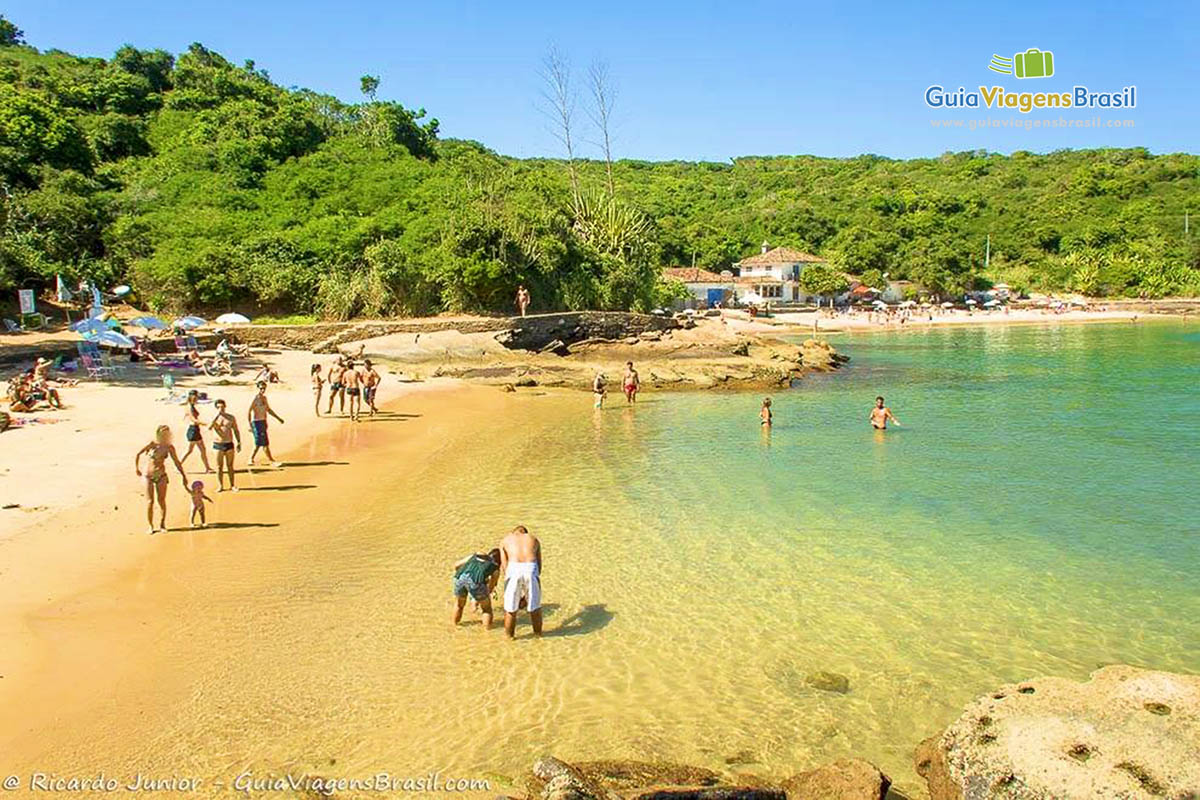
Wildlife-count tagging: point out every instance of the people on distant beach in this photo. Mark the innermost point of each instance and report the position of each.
(352, 383)
(198, 500)
(599, 390)
(521, 563)
(318, 384)
(260, 409)
(334, 379)
(631, 383)
(266, 374)
(522, 299)
(224, 426)
(476, 576)
(764, 415)
(141, 352)
(371, 381)
(191, 417)
(159, 450)
(880, 415)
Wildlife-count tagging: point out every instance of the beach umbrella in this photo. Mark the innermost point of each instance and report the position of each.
(114, 339)
(122, 290)
(908, 304)
(878, 303)
(149, 323)
(239, 319)
(947, 305)
(89, 327)
(189, 322)
(991, 303)
(970, 302)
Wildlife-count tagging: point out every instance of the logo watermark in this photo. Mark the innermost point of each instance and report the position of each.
(1033, 63)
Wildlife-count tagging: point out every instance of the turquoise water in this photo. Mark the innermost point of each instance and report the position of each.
(1037, 514)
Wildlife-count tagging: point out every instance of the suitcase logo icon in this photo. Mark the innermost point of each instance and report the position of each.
(1033, 63)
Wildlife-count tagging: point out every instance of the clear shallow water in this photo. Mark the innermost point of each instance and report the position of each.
(1037, 514)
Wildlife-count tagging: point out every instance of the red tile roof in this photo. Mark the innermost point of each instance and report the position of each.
(693, 275)
(779, 255)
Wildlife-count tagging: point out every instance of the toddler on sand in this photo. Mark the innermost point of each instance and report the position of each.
(198, 498)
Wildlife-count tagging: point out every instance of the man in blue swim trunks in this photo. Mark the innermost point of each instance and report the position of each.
(259, 410)
(476, 575)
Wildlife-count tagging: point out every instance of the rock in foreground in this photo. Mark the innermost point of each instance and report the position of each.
(1126, 733)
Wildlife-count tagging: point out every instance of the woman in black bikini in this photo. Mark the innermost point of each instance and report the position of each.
(194, 438)
(156, 474)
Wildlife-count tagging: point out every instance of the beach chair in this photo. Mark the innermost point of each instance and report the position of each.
(10, 326)
(185, 345)
(107, 362)
(193, 344)
(94, 368)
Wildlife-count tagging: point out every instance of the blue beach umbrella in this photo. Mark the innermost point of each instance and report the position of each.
(149, 323)
(189, 322)
(114, 339)
(89, 327)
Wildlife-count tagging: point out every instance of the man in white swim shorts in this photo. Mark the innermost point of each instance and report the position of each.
(521, 565)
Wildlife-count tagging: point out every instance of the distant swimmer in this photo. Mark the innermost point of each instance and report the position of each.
(880, 415)
(599, 390)
(476, 575)
(521, 563)
(765, 417)
(631, 383)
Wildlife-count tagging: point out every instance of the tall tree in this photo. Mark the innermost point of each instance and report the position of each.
(604, 96)
(559, 99)
(10, 34)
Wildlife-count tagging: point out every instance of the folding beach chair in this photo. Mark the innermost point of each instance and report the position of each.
(93, 367)
(107, 361)
(10, 326)
(182, 345)
(193, 344)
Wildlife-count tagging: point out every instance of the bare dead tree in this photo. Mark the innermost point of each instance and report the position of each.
(603, 97)
(559, 105)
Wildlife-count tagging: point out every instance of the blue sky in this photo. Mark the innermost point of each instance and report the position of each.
(696, 80)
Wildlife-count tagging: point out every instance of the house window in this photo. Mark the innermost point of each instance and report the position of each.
(771, 291)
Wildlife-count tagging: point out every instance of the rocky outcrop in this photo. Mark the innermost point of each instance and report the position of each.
(1126, 733)
(552, 779)
(848, 779)
(535, 333)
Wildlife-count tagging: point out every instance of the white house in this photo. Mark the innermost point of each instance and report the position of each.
(773, 274)
(707, 287)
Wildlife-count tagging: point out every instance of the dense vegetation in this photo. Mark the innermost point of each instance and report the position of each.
(206, 185)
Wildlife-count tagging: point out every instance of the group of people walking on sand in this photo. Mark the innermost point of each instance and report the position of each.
(519, 560)
(227, 438)
(347, 382)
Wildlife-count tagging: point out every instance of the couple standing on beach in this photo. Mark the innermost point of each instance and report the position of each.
(519, 559)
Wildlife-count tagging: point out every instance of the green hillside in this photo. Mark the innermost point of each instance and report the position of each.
(206, 185)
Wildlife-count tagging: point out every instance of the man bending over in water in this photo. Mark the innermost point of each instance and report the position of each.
(521, 563)
(880, 415)
(476, 575)
(224, 426)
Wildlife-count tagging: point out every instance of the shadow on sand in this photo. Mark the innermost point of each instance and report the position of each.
(588, 619)
(231, 526)
(314, 464)
(288, 488)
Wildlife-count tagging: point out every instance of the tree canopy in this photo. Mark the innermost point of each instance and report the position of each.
(205, 184)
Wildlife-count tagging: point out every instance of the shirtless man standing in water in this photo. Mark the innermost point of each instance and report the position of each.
(521, 565)
(224, 426)
(352, 381)
(372, 379)
(880, 415)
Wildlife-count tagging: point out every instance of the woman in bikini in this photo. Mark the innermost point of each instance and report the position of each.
(195, 439)
(156, 474)
(317, 383)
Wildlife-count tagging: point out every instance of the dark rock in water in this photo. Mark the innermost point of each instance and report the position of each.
(508, 387)
(741, 757)
(619, 774)
(526, 380)
(828, 682)
(847, 779)
(715, 793)
(561, 781)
